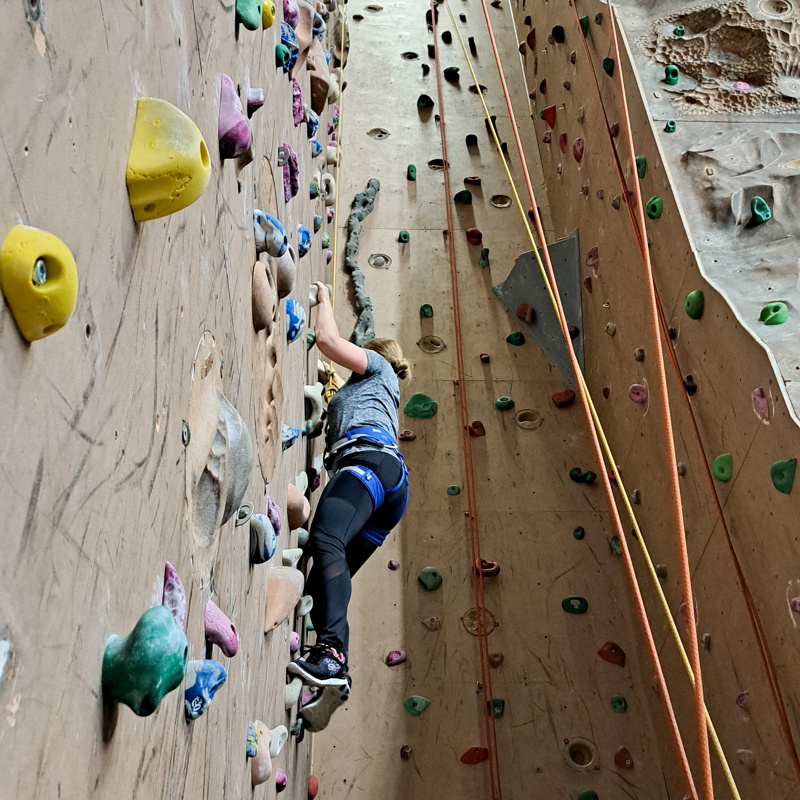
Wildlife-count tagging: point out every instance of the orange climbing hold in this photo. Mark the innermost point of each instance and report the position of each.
(487, 568)
(525, 313)
(477, 429)
(612, 653)
(474, 755)
(564, 398)
(474, 236)
(495, 659)
(313, 787)
(549, 115)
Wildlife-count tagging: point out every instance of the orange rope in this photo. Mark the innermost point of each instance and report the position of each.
(472, 517)
(640, 608)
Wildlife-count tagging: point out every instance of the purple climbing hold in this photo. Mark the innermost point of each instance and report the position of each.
(280, 780)
(638, 393)
(577, 150)
(294, 642)
(291, 174)
(760, 403)
(274, 514)
(297, 102)
(255, 99)
(233, 131)
(394, 565)
(291, 12)
(174, 596)
(547, 137)
(741, 86)
(593, 258)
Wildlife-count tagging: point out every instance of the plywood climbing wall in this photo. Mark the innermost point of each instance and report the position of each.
(95, 488)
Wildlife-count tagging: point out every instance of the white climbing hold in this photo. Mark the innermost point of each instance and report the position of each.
(277, 739)
(292, 556)
(304, 605)
(291, 693)
(328, 189)
(314, 396)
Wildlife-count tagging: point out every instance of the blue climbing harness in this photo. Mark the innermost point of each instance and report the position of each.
(380, 440)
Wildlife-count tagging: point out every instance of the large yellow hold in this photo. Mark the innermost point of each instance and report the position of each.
(39, 279)
(168, 167)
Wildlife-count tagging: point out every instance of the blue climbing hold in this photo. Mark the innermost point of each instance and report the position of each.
(303, 240)
(316, 148)
(289, 435)
(270, 235)
(296, 319)
(203, 678)
(263, 539)
(312, 124)
(289, 41)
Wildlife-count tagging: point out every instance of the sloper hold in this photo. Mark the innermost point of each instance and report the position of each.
(782, 474)
(612, 653)
(39, 279)
(141, 668)
(723, 467)
(415, 704)
(474, 755)
(249, 13)
(421, 406)
(694, 304)
(430, 578)
(284, 589)
(774, 314)
(549, 115)
(168, 166)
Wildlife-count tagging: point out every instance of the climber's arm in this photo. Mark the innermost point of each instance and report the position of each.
(330, 343)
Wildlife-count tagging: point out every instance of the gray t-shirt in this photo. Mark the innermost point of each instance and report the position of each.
(368, 399)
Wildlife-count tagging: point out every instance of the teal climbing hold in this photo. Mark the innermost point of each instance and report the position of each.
(579, 476)
(578, 532)
(317, 222)
(760, 210)
(451, 74)
(421, 406)
(463, 198)
(415, 704)
(584, 26)
(309, 624)
(453, 490)
(484, 260)
(424, 101)
(615, 545)
(248, 13)
(282, 56)
(430, 578)
(426, 310)
(679, 30)
(503, 403)
(325, 240)
(411, 172)
(671, 75)
(588, 794)
(619, 705)
(404, 237)
(723, 467)
(641, 166)
(695, 304)
(496, 707)
(670, 127)
(608, 67)
(311, 338)
(782, 474)
(575, 605)
(515, 338)
(654, 207)
(774, 314)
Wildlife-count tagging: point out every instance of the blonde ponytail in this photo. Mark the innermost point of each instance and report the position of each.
(390, 350)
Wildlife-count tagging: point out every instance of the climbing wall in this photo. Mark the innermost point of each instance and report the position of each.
(121, 438)
(741, 564)
(572, 720)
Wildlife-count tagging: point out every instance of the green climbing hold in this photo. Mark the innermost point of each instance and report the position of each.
(415, 704)
(411, 172)
(695, 304)
(496, 707)
(421, 406)
(426, 310)
(311, 338)
(654, 207)
(451, 74)
(453, 490)
(515, 338)
(670, 127)
(608, 67)
(723, 467)
(679, 30)
(282, 55)
(774, 314)
(671, 75)
(309, 624)
(325, 240)
(615, 545)
(404, 237)
(577, 475)
(619, 705)
(430, 578)
(142, 667)
(588, 794)
(463, 198)
(484, 260)
(249, 13)
(641, 166)
(578, 532)
(503, 403)
(760, 210)
(575, 605)
(782, 474)
(584, 26)
(423, 101)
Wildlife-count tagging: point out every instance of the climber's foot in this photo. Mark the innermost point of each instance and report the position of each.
(322, 665)
(317, 714)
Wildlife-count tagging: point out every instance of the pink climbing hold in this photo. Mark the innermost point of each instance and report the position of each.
(495, 660)
(593, 258)
(558, 168)
(549, 115)
(328, 256)
(741, 86)
(330, 214)
(297, 102)
(577, 153)
(291, 174)
(743, 701)
(587, 282)
(280, 780)
(294, 642)
(306, 697)
(547, 137)
(794, 604)
(760, 403)
(638, 393)
(233, 131)
(393, 565)
(313, 787)
(395, 657)
(562, 142)
(291, 12)
(474, 755)
(220, 630)
(255, 99)
(274, 514)
(173, 597)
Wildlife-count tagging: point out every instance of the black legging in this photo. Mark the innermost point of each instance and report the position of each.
(344, 510)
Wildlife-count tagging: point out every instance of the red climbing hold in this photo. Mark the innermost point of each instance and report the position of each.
(606, 391)
(543, 86)
(474, 179)
(474, 236)
(487, 568)
(313, 787)
(562, 399)
(522, 48)
(549, 115)
(577, 150)
(405, 752)
(495, 659)
(612, 653)
(474, 755)
(622, 758)
(593, 258)
(562, 142)
(485, 358)
(477, 429)
(407, 436)
(526, 313)
(531, 38)
(587, 282)
(393, 565)
(614, 130)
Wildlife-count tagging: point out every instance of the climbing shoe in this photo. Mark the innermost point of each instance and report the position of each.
(317, 714)
(321, 665)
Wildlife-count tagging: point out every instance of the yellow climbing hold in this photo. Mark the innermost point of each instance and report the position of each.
(39, 279)
(168, 166)
(268, 14)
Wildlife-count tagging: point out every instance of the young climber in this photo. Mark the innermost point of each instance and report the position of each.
(366, 494)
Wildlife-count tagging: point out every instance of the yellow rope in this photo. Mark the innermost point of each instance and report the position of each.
(330, 388)
(599, 427)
